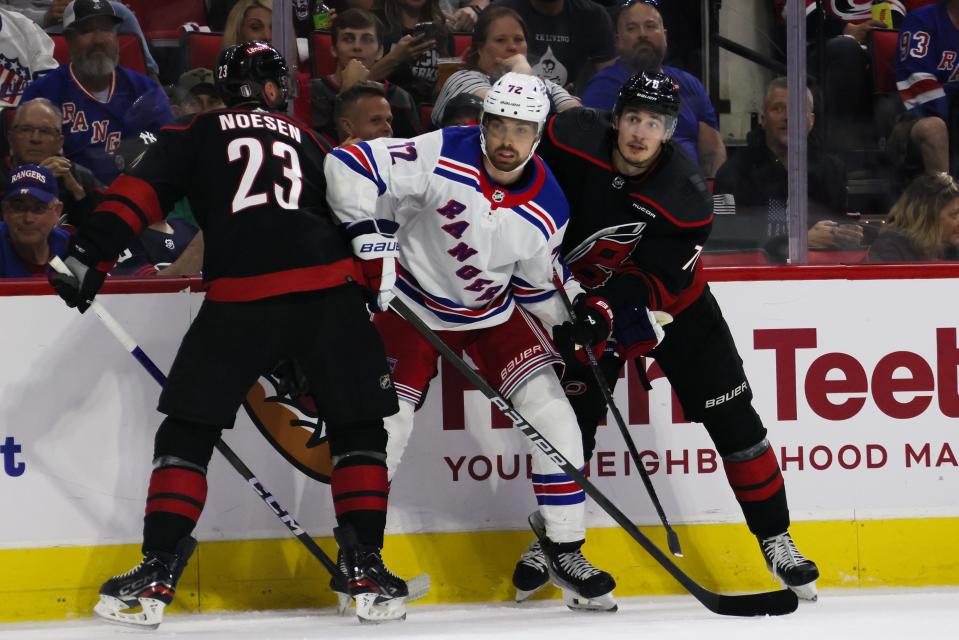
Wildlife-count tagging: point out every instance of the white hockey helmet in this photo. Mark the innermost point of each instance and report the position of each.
(519, 96)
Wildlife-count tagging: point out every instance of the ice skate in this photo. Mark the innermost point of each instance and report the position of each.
(585, 588)
(417, 587)
(137, 598)
(379, 594)
(790, 566)
(531, 573)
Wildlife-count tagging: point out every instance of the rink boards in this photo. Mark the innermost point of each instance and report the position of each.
(854, 372)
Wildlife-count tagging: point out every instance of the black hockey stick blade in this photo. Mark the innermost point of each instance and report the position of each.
(672, 541)
(772, 603)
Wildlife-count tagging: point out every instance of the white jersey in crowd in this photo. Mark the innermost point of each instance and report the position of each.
(469, 249)
(26, 53)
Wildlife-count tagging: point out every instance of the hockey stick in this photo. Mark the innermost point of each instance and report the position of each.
(672, 540)
(771, 603)
(418, 586)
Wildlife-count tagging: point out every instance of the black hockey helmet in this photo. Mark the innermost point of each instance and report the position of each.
(654, 92)
(243, 69)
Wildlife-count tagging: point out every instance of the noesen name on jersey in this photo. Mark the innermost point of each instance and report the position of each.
(230, 121)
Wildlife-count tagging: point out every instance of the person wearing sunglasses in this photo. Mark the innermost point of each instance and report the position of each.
(641, 44)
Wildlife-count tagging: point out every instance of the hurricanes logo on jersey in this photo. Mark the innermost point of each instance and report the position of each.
(291, 426)
(604, 253)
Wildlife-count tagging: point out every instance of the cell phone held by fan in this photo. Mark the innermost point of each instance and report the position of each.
(427, 29)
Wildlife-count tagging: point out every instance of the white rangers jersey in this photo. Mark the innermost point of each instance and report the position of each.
(26, 53)
(469, 249)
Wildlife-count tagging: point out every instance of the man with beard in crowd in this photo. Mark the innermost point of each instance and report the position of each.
(641, 44)
(101, 101)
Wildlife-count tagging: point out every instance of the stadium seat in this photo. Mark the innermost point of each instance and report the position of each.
(201, 49)
(747, 258)
(883, 45)
(323, 61)
(131, 51)
(163, 19)
(426, 114)
(461, 42)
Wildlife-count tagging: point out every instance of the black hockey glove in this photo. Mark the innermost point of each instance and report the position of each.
(594, 322)
(79, 288)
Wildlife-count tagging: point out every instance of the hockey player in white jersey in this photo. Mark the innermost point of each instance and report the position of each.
(464, 225)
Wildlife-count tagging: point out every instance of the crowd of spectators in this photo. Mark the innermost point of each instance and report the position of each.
(397, 68)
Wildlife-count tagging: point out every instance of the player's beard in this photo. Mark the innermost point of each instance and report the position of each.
(96, 64)
(505, 167)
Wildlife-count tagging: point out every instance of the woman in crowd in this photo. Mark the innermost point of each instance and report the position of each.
(412, 54)
(499, 46)
(253, 20)
(923, 225)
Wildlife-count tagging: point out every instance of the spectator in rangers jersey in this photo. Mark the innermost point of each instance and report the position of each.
(641, 44)
(357, 44)
(29, 235)
(292, 284)
(35, 138)
(571, 39)
(101, 101)
(478, 219)
(498, 47)
(927, 76)
(641, 214)
(26, 53)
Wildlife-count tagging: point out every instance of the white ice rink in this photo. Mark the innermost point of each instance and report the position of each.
(847, 614)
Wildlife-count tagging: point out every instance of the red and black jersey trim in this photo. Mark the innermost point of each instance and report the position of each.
(134, 201)
(256, 287)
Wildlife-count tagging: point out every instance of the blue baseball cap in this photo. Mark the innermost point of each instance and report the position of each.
(32, 180)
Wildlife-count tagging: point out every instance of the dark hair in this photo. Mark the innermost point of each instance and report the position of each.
(481, 31)
(357, 19)
(431, 12)
(351, 96)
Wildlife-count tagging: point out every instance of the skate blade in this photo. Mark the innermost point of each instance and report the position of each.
(369, 611)
(804, 591)
(116, 611)
(417, 588)
(342, 604)
(523, 595)
(605, 603)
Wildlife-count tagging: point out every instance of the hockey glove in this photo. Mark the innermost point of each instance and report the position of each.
(594, 322)
(639, 330)
(79, 288)
(375, 247)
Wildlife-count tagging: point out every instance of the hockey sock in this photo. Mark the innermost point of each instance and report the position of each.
(759, 488)
(181, 452)
(561, 501)
(175, 500)
(360, 494)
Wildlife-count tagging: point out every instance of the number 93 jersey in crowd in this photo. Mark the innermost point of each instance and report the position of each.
(469, 249)
(636, 238)
(254, 180)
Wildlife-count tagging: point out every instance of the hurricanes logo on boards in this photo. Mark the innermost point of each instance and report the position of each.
(291, 426)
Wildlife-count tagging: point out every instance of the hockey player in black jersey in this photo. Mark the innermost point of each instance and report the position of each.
(279, 285)
(640, 214)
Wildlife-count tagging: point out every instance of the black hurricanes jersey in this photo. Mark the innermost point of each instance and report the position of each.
(639, 238)
(255, 183)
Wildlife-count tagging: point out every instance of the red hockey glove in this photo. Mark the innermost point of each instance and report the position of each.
(594, 322)
(375, 247)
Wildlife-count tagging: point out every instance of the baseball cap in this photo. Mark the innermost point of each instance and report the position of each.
(32, 180)
(80, 10)
(197, 80)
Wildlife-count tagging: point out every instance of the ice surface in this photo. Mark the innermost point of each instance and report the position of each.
(874, 614)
